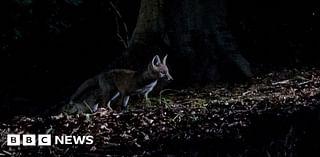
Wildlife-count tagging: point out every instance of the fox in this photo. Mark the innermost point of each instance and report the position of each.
(124, 83)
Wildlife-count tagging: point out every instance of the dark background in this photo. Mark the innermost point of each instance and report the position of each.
(49, 47)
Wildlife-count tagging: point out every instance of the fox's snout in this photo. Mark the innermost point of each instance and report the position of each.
(169, 77)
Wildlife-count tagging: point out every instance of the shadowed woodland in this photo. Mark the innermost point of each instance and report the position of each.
(246, 75)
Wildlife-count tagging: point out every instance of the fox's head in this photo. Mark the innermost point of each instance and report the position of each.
(159, 69)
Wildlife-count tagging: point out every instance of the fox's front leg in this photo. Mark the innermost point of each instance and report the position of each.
(146, 98)
(125, 101)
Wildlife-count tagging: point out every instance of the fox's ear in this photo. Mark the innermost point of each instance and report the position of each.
(156, 61)
(164, 61)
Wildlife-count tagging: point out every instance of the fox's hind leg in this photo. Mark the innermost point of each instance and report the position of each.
(125, 101)
(112, 99)
(105, 95)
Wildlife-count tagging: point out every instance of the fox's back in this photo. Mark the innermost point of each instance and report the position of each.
(123, 79)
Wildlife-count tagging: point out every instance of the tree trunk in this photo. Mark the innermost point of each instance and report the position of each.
(195, 35)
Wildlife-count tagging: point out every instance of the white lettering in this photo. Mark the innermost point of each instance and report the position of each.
(44, 140)
(89, 139)
(79, 139)
(29, 140)
(13, 140)
(59, 140)
(67, 139)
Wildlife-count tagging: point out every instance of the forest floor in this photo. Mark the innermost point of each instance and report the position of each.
(277, 114)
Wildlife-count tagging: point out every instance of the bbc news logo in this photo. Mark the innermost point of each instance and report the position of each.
(46, 140)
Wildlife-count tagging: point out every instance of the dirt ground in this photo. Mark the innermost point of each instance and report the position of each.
(276, 114)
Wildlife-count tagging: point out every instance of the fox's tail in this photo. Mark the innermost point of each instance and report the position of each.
(84, 87)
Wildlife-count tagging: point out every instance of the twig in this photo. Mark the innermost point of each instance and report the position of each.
(173, 90)
(125, 40)
(178, 115)
(306, 82)
(204, 108)
(6, 152)
(247, 92)
(49, 130)
(281, 82)
(302, 78)
(125, 44)
(165, 90)
(186, 102)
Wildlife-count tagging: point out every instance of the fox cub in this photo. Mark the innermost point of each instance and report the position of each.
(123, 83)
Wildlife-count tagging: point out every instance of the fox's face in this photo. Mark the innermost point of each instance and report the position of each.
(159, 68)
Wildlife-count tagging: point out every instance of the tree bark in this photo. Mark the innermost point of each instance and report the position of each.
(195, 35)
